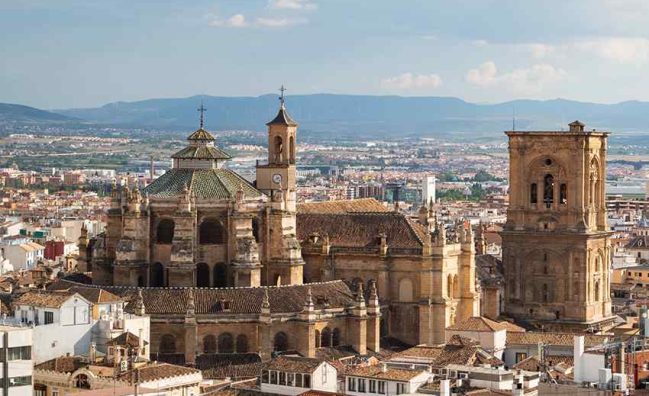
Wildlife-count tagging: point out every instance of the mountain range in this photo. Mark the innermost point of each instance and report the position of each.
(343, 115)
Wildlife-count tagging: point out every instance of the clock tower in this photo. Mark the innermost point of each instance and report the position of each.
(277, 176)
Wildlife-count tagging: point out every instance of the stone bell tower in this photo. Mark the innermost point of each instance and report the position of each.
(277, 179)
(556, 249)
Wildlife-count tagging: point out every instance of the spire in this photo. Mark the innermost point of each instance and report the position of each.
(360, 295)
(282, 117)
(374, 296)
(202, 110)
(191, 306)
(139, 303)
(265, 303)
(308, 304)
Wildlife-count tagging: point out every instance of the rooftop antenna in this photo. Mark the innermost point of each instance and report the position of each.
(281, 95)
(202, 110)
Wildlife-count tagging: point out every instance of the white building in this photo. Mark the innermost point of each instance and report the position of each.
(428, 189)
(383, 380)
(491, 335)
(293, 375)
(16, 344)
(24, 255)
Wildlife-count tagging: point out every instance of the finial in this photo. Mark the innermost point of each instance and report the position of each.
(308, 304)
(191, 305)
(139, 303)
(281, 96)
(265, 303)
(202, 110)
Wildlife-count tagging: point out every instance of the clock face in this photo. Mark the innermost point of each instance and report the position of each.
(277, 178)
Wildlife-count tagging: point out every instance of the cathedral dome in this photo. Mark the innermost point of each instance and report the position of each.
(222, 184)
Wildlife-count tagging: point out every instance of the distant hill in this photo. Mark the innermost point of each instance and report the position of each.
(340, 115)
(10, 113)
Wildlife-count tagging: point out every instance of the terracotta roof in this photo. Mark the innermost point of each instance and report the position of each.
(363, 229)
(204, 183)
(533, 363)
(364, 205)
(201, 152)
(639, 242)
(201, 134)
(96, 295)
(153, 372)
(64, 364)
(457, 350)
(377, 372)
(567, 339)
(126, 339)
(282, 118)
(477, 323)
(226, 365)
(293, 364)
(48, 299)
(242, 300)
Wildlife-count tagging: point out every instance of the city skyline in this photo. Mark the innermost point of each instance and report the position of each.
(485, 51)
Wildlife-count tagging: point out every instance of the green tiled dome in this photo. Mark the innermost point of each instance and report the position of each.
(203, 183)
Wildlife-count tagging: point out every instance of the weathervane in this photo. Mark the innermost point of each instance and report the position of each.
(281, 96)
(202, 110)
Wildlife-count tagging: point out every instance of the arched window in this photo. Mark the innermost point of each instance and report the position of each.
(563, 194)
(255, 229)
(280, 342)
(211, 232)
(167, 344)
(325, 338)
(165, 231)
(533, 193)
(226, 343)
(220, 275)
(279, 149)
(157, 275)
(317, 339)
(548, 190)
(242, 343)
(405, 290)
(449, 286)
(209, 344)
(292, 149)
(545, 293)
(81, 381)
(335, 337)
(202, 275)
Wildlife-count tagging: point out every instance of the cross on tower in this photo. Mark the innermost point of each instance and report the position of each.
(202, 110)
(281, 96)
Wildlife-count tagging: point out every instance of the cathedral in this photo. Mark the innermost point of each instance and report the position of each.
(227, 266)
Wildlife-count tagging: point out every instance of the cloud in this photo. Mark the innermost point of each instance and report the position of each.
(235, 21)
(618, 49)
(526, 80)
(407, 81)
(240, 21)
(279, 22)
(539, 50)
(293, 4)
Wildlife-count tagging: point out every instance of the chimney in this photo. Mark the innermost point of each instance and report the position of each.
(92, 352)
(384, 367)
(445, 387)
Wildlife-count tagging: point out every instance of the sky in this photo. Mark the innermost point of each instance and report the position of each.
(86, 53)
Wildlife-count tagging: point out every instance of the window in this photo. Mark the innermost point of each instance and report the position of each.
(20, 353)
(273, 377)
(280, 342)
(361, 385)
(401, 388)
(226, 343)
(49, 317)
(325, 337)
(372, 386)
(290, 379)
(306, 381)
(520, 356)
(282, 378)
(209, 344)
(165, 231)
(533, 193)
(167, 344)
(548, 190)
(20, 381)
(335, 337)
(211, 232)
(351, 384)
(298, 380)
(264, 376)
(563, 194)
(242, 343)
(382, 387)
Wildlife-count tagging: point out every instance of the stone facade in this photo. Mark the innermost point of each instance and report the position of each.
(556, 249)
